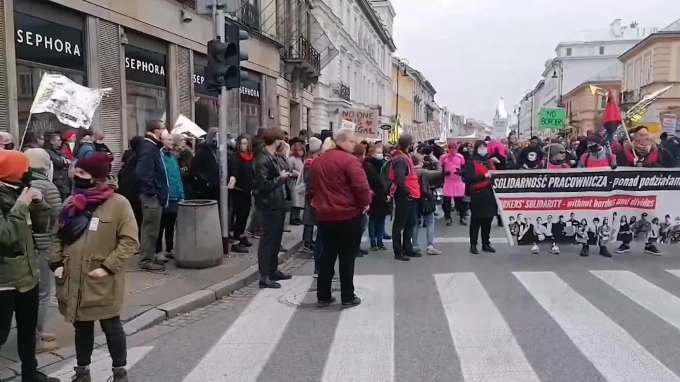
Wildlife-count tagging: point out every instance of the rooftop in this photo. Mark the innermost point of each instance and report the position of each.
(616, 32)
(612, 73)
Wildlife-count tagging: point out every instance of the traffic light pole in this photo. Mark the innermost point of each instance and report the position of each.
(223, 141)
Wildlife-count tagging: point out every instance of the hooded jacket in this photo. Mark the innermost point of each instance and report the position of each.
(18, 221)
(150, 170)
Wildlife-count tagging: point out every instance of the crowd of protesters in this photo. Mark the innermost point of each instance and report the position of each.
(66, 223)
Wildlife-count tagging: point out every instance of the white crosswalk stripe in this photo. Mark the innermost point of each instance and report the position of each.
(485, 344)
(613, 351)
(363, 343)
(363, 347)
(450, 240)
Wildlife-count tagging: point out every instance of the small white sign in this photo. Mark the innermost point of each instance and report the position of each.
(670, 122)
(347, 125)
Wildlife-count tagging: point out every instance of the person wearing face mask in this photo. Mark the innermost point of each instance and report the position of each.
(340, 193)
(531, 156)
(95, 235)
(483, 207)
(596, 156)
(380, 202)
(273, 198)
(6, 141)
(405, 191)
(453, 163)
(23, 213)
(643, 152)
(557, 156)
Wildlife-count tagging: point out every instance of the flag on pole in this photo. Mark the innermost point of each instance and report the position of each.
(611, 120)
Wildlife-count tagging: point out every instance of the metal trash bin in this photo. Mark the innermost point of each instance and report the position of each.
(198, 234)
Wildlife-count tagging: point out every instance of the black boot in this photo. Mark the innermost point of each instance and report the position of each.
(463, 221)
(473, 249)
(82, 374)
(604, 251)
(238, 248)
(585, 250)
(119, 375)
(244, 242)
(449, 222)
(500, 220)
(488, 248)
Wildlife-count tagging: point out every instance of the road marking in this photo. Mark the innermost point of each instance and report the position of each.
(487, 348)
(100, 368)
(451, 240)
(611, 350)
(674, 272)
(649, 296)
(363, 347)
(244, 349)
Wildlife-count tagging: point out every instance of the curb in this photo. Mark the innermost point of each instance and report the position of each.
(200, 298)
(157, 315)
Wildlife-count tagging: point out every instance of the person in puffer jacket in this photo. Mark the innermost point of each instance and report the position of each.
(39, 164)
(175, 195)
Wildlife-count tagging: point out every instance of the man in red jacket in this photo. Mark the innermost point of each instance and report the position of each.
(340, 194)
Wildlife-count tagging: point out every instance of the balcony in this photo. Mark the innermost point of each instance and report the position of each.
(342, 90)
(301, 50)
(249, 15)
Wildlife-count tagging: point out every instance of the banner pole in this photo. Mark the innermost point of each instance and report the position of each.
(23, 136)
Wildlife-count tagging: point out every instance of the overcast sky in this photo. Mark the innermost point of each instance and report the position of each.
(475, 51)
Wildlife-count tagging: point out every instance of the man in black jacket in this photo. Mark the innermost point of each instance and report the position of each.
(153, 193)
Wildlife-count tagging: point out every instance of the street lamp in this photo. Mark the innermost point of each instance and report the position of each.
(530, 93)
(557, 64)
(518, 111)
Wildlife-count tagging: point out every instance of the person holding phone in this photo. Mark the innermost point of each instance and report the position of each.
(22, 213)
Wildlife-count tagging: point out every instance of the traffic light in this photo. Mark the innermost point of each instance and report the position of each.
(234, 57)
(224, 61)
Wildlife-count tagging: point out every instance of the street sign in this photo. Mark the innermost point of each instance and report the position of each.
(551, 119)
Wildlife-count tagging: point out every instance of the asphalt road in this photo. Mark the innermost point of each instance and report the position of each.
(505, 317)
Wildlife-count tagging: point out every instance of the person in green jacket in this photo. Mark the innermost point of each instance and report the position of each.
(22, 213)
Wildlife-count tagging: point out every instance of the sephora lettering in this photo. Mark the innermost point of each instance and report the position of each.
(46, 42)
(144, 66)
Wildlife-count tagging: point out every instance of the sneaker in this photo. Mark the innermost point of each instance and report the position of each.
(535, 249)
(266, 282)
(160, 258)
(402, 258)
(585, 251)
(119, 375)
(43, 346)
(170, 254)
(48, 337)
(40, 377)
(623, 248)
(374, 248)
(432, 251)
(382, 247)
(151, 266)
(449, 222)
(604, 252)
(463, 222)
(414, 254)
(316, 273)
(651, 249)
(244, 242)
(555, 250)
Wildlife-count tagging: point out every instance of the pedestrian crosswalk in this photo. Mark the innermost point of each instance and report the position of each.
(489, 343)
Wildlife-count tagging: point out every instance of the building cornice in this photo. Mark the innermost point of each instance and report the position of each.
(588, 83)
(649, 40)
(377, 24)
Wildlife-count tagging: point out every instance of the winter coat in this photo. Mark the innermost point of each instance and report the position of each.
(60, 176)
(85, 150)
(85, 298)
(205, 169)
(454, 186)
(380, 207)
(175, 185)
(482, 201)
(53, 199)
(150, 170)
(18, 264)
(296, 185)
(309, 215)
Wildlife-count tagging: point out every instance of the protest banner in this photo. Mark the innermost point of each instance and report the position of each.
(367, 121)
(582, 205)
(185, 125)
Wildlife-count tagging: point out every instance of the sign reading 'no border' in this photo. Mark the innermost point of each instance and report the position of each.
(551, 119)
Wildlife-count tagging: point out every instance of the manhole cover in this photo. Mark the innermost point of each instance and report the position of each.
(307, 299)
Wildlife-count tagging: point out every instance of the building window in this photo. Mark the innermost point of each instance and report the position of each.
(647, 75)
(603, 102)
(568, 51)
(601, 50)
(638, 74)
(629, 77)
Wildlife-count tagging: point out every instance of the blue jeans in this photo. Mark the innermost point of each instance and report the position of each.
(308, 235)
(376, 230)
(318, 247)
(428, 220)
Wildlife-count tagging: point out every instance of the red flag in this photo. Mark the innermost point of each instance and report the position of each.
(611, 119)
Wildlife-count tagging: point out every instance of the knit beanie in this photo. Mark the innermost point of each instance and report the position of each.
(555, 149)
(314, 145)
(96, 165)
(13, 165)
(38, 159)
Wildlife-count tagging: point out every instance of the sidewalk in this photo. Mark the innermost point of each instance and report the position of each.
(154, 297)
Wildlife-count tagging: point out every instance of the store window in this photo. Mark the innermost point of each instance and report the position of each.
(42, 47)
(147, 89)
(207, 103)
